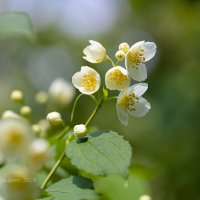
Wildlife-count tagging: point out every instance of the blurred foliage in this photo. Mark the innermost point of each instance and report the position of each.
(166, 143)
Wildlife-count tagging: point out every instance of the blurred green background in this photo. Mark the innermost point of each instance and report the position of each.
(166, 142)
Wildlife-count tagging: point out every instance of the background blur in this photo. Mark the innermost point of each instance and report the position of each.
(166, 142)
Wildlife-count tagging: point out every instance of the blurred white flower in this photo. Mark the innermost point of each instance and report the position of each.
(130, 102)
(38, 154)
(94, 53)
(145, 197)
(54, 118)
(79, 130)
(137, 55)
(19, 185)
(117, 78)
(61, 91)
(15, 137)
(87, 81)
(10, 114)
(41, 97)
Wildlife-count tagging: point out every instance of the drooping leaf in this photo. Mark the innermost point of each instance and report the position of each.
(16, 24)
(101, 153)
(73, 188)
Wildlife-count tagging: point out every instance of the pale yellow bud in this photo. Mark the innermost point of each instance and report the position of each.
(124, 47)
(120, 55)
(25, 110)
(36, 128)
(55, 119)
(17, 96)
(41, 97)
(79, 130)
(145, 197)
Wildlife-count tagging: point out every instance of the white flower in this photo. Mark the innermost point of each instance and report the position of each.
(15, 137)
(25, 110)
(79, 129)
(116, 78)
(139, 53)
(42, 97)
(38, 154)
(87, 80)
(19, 185)
(10, 114)
(94, 53)
(145, 197)
(61, 91)
(54, 118)
(130, 102)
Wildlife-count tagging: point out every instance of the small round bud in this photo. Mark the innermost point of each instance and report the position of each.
(120, 55)
(124, 47)
(36, 128)
(145, 197)
(25, 110)
(17, 96)
(54, 118)
(9, 114)
(79, 130)
(41, 97)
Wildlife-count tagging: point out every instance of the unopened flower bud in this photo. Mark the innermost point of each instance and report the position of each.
(41, 97)
(36, 128)
(25, 110)
(145, 197)
(124, 47)
(9, 114)
(120, 55)
(54, 118)
(17, 96)
(79, 130)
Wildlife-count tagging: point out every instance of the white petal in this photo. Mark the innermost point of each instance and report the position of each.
(138, 72)
(117, 84)
(77, 80)
(138, 89)
(149, 50)
(94, 42)
(122, 115)
(141, 108)
(137, 45)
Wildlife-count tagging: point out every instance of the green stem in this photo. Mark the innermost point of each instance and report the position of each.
(109, 59)
(74, 106)
(53, 170)
(95, 111)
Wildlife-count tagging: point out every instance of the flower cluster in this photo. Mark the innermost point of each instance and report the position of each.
(130, 100)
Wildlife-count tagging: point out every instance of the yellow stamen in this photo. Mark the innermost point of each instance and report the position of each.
(136, 56)
(89, 82)
(118, 76)
(128, 101)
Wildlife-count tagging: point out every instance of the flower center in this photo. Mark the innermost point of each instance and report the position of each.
(136, 56)
(89, 82)
(118, 76)
(14, 137)
(128, 101)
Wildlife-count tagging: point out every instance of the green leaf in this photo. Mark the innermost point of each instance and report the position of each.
(16, 24)
(115, 187)
(73, 188)
(101, 153)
